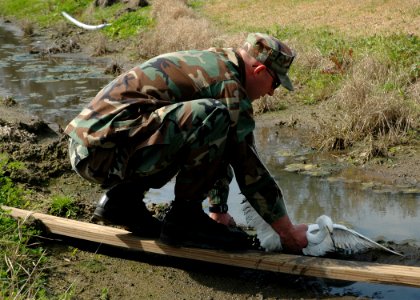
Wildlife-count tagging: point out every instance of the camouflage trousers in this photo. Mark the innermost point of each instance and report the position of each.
(189, 144)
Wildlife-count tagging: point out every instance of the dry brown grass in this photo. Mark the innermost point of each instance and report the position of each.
(178, 27)
(100, 45)
(414, 92)
(356, 17)
(27, 27)
(363, 112)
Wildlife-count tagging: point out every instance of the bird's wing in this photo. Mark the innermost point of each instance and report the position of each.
(268, 237)
(352, 242)
(343, 240)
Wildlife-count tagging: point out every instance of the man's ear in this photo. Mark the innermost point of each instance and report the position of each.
(258, 69)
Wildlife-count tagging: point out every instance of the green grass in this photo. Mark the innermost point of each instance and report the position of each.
(41, 12)
(63, 206)
(21, 262)
(22, 259)
(129, 25)
(196, 4)
(10, 194)
(399, 52)
(48, 13)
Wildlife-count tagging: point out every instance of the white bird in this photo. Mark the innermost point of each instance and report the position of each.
(323, 237)
(326, 237)
(82, 25)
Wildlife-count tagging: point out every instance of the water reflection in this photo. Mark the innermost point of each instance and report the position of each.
(52, 87)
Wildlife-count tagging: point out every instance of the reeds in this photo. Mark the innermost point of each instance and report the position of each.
(178, 27)
(364, 110)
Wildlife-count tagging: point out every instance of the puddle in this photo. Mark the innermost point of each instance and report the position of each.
(57, 88)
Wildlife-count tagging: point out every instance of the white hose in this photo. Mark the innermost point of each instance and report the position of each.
(82, 25)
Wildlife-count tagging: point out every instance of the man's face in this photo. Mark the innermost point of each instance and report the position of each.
(261, 82)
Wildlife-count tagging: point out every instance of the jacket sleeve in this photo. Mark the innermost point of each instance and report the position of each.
(227, 92)
(255, 181)
(219, 194)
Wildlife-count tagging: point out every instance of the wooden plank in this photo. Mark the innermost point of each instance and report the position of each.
(283, 263)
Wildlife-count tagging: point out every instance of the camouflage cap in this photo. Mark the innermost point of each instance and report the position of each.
(276, 55)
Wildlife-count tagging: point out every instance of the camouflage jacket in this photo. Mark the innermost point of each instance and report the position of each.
(120, 107)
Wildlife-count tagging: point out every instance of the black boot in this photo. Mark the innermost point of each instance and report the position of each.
(186, 224)
(123, 205)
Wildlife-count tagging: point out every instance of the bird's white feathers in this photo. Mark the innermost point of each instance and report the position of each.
(339, 240)
(269, 239)
(323, 237)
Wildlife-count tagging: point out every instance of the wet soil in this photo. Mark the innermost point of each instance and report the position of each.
(91, 271)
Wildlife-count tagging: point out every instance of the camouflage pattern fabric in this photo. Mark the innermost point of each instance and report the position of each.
(183, 114)
(220, 192)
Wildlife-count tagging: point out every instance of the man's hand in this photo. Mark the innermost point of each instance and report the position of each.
(293, 237)
(223, 218)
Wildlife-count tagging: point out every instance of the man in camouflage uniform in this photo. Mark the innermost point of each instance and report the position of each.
(186, 114)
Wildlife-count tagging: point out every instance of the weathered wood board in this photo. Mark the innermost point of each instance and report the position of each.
(283, 263)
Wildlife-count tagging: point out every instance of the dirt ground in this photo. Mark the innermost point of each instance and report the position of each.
(91, 271)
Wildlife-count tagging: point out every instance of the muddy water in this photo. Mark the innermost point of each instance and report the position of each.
(53, 87)
(56, 88)
(372, 208)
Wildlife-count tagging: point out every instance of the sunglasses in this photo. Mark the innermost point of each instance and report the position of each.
(276, 82)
